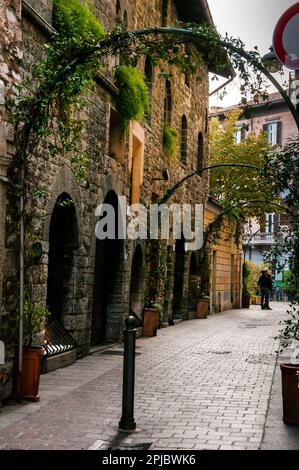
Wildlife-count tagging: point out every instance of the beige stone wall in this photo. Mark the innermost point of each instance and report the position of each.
(225, 266)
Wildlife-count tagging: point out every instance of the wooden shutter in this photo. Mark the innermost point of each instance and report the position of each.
(279, 129)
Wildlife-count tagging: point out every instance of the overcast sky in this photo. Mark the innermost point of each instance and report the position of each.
(253, 21)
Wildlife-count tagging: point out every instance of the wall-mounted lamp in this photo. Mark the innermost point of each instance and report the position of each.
(165, 175)
(37, 251)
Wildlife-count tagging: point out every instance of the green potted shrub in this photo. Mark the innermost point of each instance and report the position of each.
(289, 337)
(26, 384)
(202, 304)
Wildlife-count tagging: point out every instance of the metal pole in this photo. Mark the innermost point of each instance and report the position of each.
(127, 421)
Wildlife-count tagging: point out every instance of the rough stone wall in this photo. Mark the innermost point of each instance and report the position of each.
(10, 63)
(191, 101)
(24, 39)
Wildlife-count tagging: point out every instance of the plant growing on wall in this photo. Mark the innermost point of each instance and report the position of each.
(74, 19)
(170, 140)
(132, 100)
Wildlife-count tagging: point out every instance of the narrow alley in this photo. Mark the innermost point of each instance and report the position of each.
(201, 384)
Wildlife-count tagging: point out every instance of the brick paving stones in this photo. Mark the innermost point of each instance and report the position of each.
(201, 384)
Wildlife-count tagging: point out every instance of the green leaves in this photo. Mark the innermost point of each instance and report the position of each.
(241, 185)
(74, 19)
(170, 140)
(133, 98)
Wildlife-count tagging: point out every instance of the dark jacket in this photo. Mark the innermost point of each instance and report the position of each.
(265, 281)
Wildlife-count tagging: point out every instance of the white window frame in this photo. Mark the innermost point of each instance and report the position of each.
(272, 133)
(238, 135)
(269, 228)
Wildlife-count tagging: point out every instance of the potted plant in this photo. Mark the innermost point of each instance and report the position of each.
(202, 304)
(289, 336)
(26, 384)
(245, 290)
(151, 318)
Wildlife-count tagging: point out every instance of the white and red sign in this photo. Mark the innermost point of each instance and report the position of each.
(286, 38)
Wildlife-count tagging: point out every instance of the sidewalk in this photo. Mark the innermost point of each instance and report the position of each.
(201, 384)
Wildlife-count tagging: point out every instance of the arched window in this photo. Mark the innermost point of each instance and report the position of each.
(167, 103)
(164, 12)
(118, 12)
(200, 152)
(125, 20)
(184, 139)
(148, 72)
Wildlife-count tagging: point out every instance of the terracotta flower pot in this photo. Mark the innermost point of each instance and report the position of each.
(151, 318)
(202, 308)
(290, 393)
(245, 300)
(29, 380)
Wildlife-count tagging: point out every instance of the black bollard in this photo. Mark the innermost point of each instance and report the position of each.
(127, 421)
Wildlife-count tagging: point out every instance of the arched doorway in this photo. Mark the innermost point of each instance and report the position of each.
(177, 309)
(136, 285)
(107, 284)
(192, 292)
(63, 244)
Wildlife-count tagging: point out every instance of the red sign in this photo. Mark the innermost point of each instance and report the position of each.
(286, 38)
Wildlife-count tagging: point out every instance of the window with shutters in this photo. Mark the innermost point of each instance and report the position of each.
(273, 130)
(269, 226)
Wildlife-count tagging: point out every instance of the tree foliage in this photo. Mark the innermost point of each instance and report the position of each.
(239, 185)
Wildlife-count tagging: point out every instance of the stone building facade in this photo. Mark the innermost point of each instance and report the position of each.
(225, 278)
(91, 285)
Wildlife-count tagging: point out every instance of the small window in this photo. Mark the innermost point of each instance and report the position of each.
(116, 137)
(200, 152)
(273, 130)
(184, 139)
(164, 13)
(167, 103)
(148, 72)
(118, 12)
(269, 227)
(238, 135)
(125, 20)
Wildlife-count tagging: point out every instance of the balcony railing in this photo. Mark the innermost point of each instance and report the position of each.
(259, 239)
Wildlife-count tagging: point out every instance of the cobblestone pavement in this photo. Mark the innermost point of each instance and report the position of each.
(201, 384)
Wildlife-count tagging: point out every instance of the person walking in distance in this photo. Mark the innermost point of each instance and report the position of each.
(266, 286)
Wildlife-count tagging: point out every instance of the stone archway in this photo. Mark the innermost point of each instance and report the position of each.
(108, 276)
(137, 283)
(63, 246)
(192, 290)
(178, 287)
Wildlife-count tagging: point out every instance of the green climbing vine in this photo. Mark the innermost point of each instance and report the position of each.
(132, 100)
